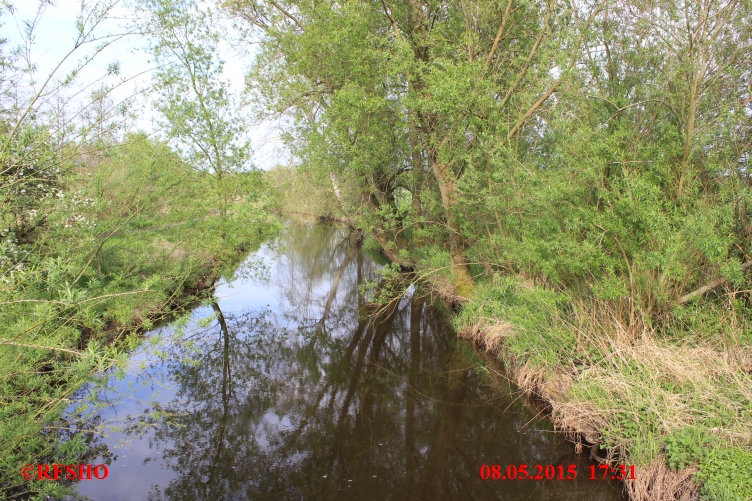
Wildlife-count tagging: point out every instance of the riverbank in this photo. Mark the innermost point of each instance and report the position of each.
(119, 248)
(47, 375)
(671, 397)
(674, 405)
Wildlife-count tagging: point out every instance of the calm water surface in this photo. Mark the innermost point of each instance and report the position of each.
(287, 389)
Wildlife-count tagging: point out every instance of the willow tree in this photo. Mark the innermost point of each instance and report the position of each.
(196, 107)
(633, 186)
(675, 85)
(413, 98)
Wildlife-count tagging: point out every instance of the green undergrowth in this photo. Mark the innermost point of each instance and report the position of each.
(116, 247)
(680, 392)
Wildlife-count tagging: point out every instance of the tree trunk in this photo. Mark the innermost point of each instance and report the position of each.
(463, 279)
(417, 178)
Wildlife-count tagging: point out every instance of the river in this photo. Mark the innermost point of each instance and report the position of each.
(290, 388)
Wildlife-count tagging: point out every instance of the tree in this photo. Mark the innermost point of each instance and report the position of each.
(600, 146)
(198, 110)
(417, 99)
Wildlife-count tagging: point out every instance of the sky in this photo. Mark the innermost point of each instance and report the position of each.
(54, 38)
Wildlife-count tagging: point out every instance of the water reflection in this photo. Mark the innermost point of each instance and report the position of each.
(288, 388)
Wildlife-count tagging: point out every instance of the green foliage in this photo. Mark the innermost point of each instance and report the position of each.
(198, 110)
(29, 176)
(436, 135)
(686, 447)
(536, 339)
(725, 474)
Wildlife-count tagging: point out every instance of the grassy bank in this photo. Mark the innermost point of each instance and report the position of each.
(675, 399)
(114, 245)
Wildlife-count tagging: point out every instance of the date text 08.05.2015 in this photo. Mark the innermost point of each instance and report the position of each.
(555, 472)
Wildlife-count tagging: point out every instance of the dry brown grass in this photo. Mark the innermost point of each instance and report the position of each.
(627, 373)
(658, 483)
(678, 384)
(489, 334)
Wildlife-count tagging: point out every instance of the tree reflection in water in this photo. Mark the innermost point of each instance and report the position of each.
(312, 397)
